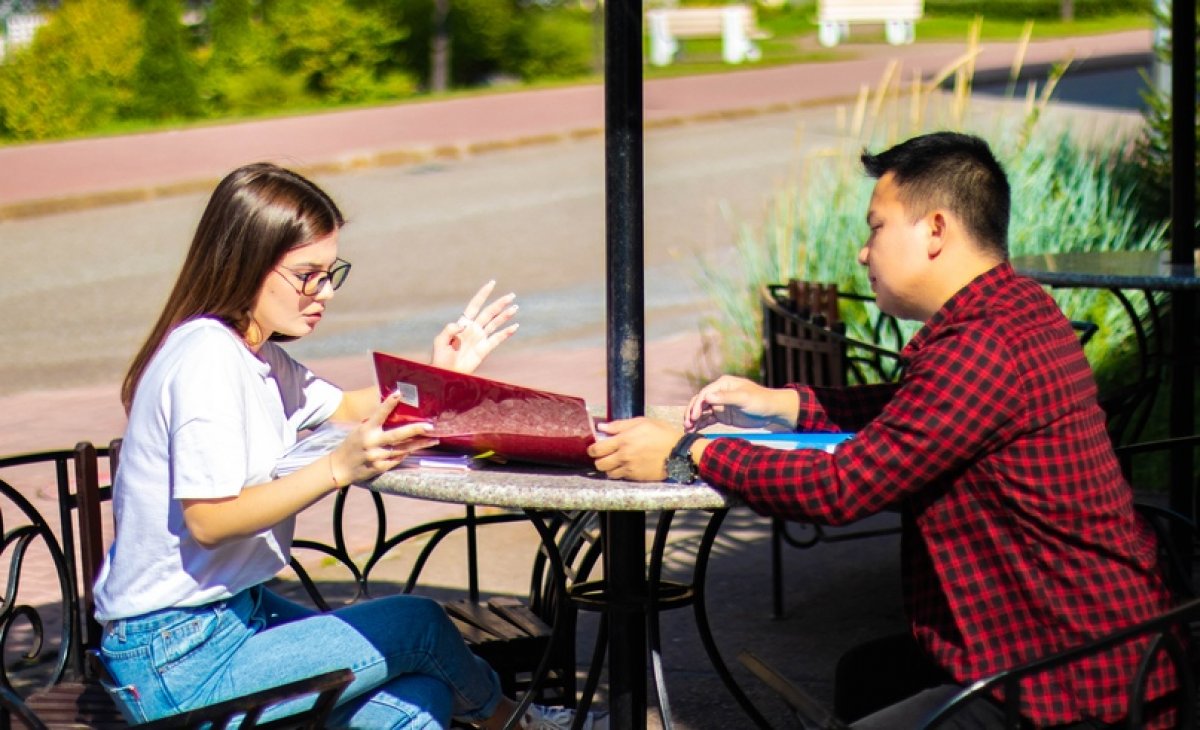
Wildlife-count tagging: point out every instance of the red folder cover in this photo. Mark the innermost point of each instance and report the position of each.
(476, 415)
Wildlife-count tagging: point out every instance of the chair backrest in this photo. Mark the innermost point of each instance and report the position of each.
(1163, 636)
(1145, 465)
(805, 341)
(577, 537)
(799, 347)
(34, 548)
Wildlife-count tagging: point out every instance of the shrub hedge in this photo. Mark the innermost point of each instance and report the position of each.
(1035, 9)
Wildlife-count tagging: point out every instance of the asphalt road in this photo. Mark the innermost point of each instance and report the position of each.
(80, 290)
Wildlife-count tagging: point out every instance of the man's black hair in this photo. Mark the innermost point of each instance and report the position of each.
(954, 171)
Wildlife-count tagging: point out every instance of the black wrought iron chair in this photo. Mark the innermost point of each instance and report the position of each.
(805, 341)
(1172, 634)
(1129, 401)
(513, 635)
(56, 681)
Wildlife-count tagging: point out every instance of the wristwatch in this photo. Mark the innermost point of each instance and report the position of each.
(680, 467)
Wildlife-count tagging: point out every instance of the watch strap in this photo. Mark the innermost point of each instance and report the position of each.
(679, 465)
(683, 447)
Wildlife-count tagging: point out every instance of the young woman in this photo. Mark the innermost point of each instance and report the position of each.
(202, 522)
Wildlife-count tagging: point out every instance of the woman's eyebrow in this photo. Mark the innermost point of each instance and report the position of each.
(311, 265)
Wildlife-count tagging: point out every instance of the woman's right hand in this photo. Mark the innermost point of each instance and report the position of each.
(369, 450)
(742, 403)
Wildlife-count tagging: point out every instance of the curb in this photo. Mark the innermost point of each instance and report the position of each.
(393, 158)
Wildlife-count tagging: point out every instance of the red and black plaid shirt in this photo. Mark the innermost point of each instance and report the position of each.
(1021, 538)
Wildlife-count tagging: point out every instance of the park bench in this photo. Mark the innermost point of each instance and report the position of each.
(735, 25)
(897, 16)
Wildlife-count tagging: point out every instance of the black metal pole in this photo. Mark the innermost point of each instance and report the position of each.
(1183, 243)
(625, 532)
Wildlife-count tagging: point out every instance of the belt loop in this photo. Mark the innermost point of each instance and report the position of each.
(121, 630)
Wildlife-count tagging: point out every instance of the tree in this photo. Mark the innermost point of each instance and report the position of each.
(439, 58)
(229, 30)
(167, 76)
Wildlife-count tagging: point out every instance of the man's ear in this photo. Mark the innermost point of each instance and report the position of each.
(937, 227)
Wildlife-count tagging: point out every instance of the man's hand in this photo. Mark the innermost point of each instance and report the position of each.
(463, 344)
(636, 449)
(742, 403)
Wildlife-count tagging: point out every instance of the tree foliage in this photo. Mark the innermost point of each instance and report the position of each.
(340, 52)
(72, 79)
(1152, 157)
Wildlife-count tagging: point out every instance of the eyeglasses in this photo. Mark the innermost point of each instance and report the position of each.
(313, 282)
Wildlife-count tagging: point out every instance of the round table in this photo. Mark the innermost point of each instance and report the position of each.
(538, 489)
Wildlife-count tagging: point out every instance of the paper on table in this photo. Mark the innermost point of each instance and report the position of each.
(316, 444)
(327, 437)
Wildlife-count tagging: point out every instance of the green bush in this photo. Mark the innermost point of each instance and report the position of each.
(74, 76)
(553, 44)
(1035, 9)
(1066, 197)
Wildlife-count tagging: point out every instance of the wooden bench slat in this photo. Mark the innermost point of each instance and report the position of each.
(68, 704)
(519, 614)
(485, 619)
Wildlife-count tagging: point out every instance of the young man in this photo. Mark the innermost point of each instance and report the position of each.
(1020, 533)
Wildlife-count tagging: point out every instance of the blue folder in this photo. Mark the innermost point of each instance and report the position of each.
(823, 441)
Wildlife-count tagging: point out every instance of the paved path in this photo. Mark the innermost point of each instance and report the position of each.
(64, 175)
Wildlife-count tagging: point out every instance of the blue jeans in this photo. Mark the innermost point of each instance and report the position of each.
(411, 667)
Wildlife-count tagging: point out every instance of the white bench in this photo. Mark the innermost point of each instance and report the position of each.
(735, 25)
(898, 17)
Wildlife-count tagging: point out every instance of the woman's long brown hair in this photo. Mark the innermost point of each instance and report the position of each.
(255, 216)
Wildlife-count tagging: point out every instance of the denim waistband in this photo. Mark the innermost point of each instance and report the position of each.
(241, 604)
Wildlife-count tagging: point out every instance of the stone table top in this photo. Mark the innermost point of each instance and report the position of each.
(1147, 270)
(533, 487)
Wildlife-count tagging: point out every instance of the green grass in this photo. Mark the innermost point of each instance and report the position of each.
(954, 28)
(791, 32)
(703, 56)
(792, 38)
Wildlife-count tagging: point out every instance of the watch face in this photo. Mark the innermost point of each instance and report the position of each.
(680, 470)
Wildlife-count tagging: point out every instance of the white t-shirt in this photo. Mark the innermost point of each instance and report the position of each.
(209, 419)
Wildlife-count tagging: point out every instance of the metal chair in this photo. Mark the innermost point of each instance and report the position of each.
(512, 635)
(1166, 634)
(56, 683)
(805, 341)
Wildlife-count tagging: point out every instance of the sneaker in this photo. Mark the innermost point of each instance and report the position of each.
(538, 717)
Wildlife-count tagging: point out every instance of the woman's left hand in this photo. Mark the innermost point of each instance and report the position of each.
(463, 345)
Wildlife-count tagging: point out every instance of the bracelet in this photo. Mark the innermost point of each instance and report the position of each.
(331, 474)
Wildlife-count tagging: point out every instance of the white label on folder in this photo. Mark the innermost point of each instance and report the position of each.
(408, 394)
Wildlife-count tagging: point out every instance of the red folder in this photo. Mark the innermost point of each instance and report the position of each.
(475, 415)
